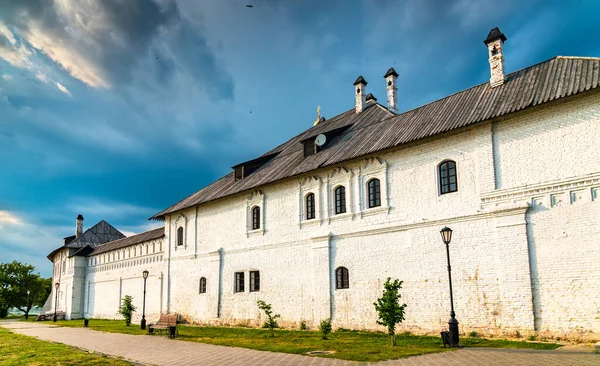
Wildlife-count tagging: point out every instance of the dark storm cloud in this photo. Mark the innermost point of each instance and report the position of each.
(101, 43)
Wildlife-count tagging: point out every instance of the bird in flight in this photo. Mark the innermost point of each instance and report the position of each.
(249, 6)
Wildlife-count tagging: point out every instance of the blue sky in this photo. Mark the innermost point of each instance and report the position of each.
(117, 109)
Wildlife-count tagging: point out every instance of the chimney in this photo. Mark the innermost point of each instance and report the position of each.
(495, 43)
(391, 78)
(78, 226)
(360, 84)
(371, 99)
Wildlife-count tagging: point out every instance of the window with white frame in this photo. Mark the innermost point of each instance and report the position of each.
(373, 187)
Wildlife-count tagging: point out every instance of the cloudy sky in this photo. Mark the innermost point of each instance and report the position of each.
(116, 109)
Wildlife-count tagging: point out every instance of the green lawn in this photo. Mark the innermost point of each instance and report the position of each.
(16, 349)
(348, 345)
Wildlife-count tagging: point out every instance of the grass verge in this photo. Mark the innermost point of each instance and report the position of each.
(17, 349)
(347, 345)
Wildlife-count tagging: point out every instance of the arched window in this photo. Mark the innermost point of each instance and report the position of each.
(180, 235)
(202, 285)
(340, 200)
(447, 177)
(374, 193)
(341, 278)
(310, 206)
(255, 218)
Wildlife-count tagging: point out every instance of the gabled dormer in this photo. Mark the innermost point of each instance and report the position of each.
(310, 144)
(244, 169)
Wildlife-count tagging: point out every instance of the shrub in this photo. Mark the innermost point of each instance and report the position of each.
(303, 325)
(389, 309)
(325, 327)
(127, 309)
(473, 334)
(271, 322)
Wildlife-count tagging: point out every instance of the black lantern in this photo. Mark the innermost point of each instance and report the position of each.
(452, 323)
(143, 324)
(446, 235)
(56, 286)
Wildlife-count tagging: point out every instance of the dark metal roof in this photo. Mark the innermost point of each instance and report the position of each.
(371, 97)
(376, 129)
(80, 217)
(390, 71)
(101, 233)
(494, 34)
(131, 240)
(360, 80)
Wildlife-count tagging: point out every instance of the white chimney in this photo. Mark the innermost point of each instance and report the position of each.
(391, 78)
(495, 43)
(360, 84)
(78, 226)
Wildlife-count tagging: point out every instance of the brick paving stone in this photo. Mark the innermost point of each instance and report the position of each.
(156, 350)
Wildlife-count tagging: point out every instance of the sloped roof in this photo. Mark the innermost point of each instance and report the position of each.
(376, 129)
(101, 233)
(131, 240)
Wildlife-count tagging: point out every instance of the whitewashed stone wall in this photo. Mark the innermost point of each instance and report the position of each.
(524, 251)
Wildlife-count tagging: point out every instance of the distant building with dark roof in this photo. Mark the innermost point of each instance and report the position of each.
(316, 225)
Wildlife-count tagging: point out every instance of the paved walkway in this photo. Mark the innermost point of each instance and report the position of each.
(162, 351)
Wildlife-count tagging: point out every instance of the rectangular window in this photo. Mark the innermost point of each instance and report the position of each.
(239, 281)
(254, 281)
(310, 206)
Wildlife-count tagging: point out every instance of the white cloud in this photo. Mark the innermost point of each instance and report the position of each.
(41, 77)
(27, 242)
(8, 218)
(63, 89)
(7, 33)
(18, 56)
(6, 77)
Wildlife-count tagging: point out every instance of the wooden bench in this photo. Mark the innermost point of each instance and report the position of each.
(166, 322)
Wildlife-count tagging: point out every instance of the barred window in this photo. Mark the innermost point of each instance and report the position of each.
(239, 281)
(202, 285)
(447, 177)
(340, 200)
(341, 278)
(254, 281)
(374, 193)
(310, 206)
(255, 218)
(180, 235)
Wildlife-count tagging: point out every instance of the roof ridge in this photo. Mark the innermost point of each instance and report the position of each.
(579, 57)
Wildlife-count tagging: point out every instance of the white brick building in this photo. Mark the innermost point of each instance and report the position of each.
(511, 165)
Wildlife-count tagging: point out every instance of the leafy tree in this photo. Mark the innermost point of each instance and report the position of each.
(271, 322)
(325, 327)
(127, 309)
(16, 279)
(389, 309)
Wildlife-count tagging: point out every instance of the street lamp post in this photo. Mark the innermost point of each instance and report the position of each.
(56, 286)
(27, 305)
(143, 325)
(452, 323)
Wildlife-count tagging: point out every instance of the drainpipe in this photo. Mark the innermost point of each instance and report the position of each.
(220, 295)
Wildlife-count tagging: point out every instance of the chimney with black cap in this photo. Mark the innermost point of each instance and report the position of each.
(495, 43)
(391, 78)
(359, 87)
(78, 226)
(371, 99)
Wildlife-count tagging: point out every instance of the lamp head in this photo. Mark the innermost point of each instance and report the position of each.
(145, 274)
(56, 285)
(446, 235)
(28, 292)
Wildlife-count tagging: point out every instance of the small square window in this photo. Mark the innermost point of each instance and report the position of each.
(254, 281)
